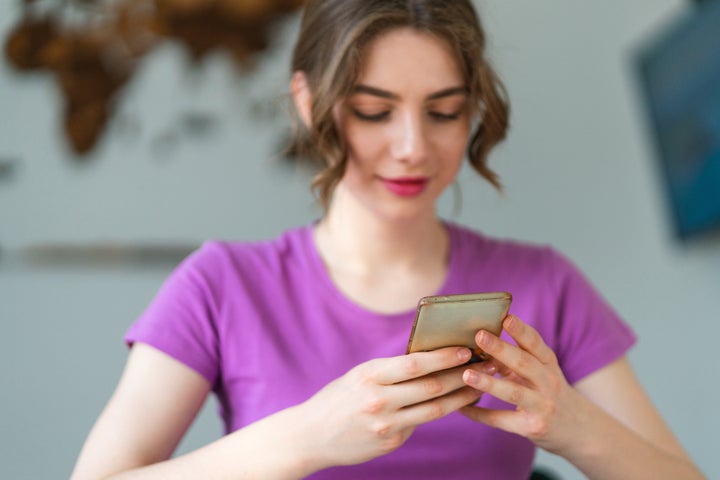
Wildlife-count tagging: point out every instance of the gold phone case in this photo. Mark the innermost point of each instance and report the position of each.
(453, 320)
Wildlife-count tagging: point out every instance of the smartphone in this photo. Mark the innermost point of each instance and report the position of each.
(453, 320)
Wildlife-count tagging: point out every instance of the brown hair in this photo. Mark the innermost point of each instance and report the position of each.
(329, 50)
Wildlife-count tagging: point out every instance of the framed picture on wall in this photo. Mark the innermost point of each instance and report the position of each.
(679, 76)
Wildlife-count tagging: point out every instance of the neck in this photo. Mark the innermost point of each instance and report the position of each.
(356, 240)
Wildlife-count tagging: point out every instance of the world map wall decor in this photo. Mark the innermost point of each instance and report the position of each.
(92, 48)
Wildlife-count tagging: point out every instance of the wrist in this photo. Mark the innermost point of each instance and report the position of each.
(273, 447)
(300, 452)
(580, 436)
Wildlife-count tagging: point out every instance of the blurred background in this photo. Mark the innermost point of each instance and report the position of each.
(132, 130)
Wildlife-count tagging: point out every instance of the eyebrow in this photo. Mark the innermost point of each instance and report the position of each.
(377, 92)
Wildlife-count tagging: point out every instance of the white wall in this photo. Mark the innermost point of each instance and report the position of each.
(577, 167)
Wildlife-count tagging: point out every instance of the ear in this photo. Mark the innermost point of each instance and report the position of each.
(301, 96)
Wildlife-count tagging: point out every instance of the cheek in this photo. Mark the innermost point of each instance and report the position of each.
(452, 145)
(364, 145)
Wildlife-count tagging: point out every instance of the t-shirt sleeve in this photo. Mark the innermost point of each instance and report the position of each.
(590, 334)
(180, 320)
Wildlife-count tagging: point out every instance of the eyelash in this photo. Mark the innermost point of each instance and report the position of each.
(376, 117)
(445, 117)
(379, 117)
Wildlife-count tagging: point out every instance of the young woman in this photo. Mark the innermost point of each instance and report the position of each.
(302, 337)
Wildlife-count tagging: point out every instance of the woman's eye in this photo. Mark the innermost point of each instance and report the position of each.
(445, 117)
(372, 117)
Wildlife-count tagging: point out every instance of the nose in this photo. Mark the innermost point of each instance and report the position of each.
(409, 142)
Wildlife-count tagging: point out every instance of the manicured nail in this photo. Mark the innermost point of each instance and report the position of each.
(463, 354)
(470, 376)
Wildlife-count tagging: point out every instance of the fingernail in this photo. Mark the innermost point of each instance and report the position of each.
(489, 368)
(463, 354)
(470, 376)
(484, 339)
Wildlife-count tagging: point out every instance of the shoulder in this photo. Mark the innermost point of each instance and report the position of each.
(219, 255)
(528, 268)
(220, 266)
(473, 247)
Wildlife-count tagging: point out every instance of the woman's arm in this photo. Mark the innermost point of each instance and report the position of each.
(605, 425)
(649, 441)
(153, 405)
(367, 412)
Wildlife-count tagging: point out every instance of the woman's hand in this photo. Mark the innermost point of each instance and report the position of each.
(373, 409)
(559, 418)
(530, 378)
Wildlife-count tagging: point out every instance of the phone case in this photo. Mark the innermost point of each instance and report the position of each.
(453, 320)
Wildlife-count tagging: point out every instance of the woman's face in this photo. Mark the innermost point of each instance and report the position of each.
(406, 125)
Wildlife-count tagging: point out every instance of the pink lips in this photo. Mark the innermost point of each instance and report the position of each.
(406, 186)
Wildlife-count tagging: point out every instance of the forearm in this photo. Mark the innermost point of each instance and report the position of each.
(270, 448)
(607, 449)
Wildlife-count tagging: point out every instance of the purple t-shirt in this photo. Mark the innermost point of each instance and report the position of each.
(264, 323)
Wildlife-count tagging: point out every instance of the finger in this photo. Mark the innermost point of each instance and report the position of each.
(509, 391)
(388, 371)
(439, 407)
(507, 420)
(510, 356)
(490, 366)
(529, 339)
(426, 388)
(503, 371)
